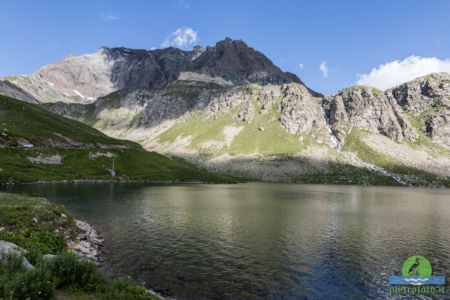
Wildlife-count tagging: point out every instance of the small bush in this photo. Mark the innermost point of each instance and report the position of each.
(33, 255)
(40, 241)
(11, 261)
(26, 284)
(72, 271)
(47, 242)
(125, 289)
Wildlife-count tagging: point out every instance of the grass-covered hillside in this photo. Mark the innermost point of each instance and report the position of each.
(37, 145)
(40, 228)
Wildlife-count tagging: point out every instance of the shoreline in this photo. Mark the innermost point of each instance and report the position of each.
(60, 255)
(162, 183)
(100, 181)
(88, 244)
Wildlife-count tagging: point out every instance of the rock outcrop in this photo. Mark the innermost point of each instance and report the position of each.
(437, 127)
(8, 249)
(13, 91)
(294, 106)
(424, 93)
(428, 100)
(300, 111)
(369, 109)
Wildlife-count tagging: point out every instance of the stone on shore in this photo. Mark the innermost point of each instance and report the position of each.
(7, 248)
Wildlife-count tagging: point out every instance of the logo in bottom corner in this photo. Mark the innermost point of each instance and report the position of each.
(417, 278)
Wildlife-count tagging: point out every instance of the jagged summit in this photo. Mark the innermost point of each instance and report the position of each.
(232, 60)
(86, 77)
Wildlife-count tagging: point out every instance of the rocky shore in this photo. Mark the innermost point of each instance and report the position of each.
(87, 242)
(35, 238)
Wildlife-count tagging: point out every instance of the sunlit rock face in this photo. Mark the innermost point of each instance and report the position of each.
(369, 109)
(427, 99)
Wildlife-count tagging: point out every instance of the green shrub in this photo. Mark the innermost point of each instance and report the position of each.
(33, 255)
(125, 289)
(48, 242)
(72, 271)
(11, 261)
(38, 241)
(25, 284)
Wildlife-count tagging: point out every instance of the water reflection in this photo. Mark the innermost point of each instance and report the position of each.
(262, 240)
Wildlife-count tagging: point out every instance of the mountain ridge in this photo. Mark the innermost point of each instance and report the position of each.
(82, 79)
(274, 128)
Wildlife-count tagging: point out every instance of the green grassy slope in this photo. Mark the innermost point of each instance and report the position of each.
(85, 152)
(263, 134)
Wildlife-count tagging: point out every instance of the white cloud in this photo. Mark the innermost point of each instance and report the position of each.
(181, 37)
(182, 4)
(323, 67)
(397, 72)
(110, 16)
(301, 66)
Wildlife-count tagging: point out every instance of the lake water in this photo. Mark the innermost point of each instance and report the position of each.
(261, 240)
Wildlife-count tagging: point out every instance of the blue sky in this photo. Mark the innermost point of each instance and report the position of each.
(346, 37)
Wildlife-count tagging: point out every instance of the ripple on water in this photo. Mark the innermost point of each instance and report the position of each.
(263, 240)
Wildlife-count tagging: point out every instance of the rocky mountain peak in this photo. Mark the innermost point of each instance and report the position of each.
(235, 61)
(86, 77)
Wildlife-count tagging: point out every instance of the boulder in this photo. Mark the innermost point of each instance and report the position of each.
(7, 248)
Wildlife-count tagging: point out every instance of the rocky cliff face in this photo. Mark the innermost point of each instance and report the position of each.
(84, 78)
(294, 108)
(368, 109)
(229, 62)
(13, 91)
(428, 100)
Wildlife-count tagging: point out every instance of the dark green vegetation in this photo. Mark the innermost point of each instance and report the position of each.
(37, 145)
(342, 173)
(40, 228)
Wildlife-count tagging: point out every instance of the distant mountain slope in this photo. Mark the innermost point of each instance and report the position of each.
(13, 91)
(86, 77)
(36, 145)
